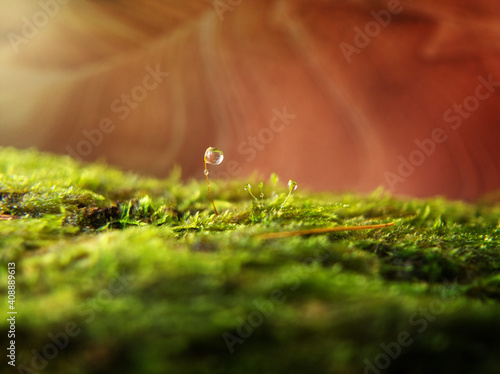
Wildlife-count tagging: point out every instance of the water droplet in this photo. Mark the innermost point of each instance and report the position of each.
(292, 185)
(248, 187)
(206, 172)
(213, 156)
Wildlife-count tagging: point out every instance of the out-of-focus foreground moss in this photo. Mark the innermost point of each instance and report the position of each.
(148, 280)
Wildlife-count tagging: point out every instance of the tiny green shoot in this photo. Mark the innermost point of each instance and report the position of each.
(248, 187)
(274, 181)
(292, 186)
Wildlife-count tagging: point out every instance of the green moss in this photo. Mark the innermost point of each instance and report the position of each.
(154, 282)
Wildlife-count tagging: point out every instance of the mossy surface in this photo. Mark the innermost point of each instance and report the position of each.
(148, 280)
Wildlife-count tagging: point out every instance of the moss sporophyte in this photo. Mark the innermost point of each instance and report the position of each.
(271, 279)
(213, 156)
(292, 186)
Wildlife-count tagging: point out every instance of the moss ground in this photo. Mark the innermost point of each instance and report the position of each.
(116, 273)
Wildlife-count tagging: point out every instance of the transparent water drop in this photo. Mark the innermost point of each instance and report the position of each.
(213, 156)
(248, 187)
(206, 172)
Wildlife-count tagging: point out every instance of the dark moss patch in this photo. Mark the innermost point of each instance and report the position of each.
(95, 218)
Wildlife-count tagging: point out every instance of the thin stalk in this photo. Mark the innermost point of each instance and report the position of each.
(321, 230)
(284, 202)
(248, 188)
(208, 186)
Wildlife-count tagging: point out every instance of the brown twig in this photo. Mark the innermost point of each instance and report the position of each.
(322, 230)
(7, 217)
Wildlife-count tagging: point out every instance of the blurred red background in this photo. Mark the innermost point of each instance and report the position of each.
(337, 95)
